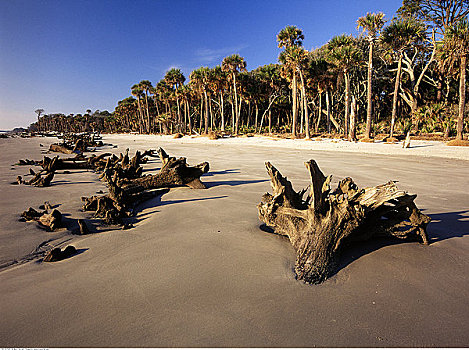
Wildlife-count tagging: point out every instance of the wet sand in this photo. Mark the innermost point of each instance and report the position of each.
(197, 270)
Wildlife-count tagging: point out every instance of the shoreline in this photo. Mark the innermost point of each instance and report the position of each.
(418, 148)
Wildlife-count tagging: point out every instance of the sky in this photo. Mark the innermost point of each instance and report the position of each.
(67, 56)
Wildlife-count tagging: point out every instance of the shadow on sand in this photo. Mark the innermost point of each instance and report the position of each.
(222, 172)
(443, 226)
(211, 184)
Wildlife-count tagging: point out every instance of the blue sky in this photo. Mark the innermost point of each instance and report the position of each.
(72, 55)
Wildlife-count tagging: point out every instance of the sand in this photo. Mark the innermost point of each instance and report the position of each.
(197, 271)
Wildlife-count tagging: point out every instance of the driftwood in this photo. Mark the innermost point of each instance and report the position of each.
(26, 162)
(125, 166)
(83, 227)
(132, 166)
(128, 188)
(320, 225)
(39, 179)
(49, 219)
(57, 254)
(75, 143)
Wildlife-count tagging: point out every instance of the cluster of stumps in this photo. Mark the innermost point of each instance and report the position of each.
(318, 221)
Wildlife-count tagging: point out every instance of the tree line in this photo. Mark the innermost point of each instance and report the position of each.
(398, 75)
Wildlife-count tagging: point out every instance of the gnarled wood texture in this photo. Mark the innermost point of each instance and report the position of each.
(323, 222)
(127, 188)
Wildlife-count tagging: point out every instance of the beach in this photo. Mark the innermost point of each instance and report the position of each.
(197, 270)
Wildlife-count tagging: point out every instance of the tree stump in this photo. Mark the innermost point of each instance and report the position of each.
(320, 225)
(49, 220)
(127, 188)
(57, 254)
(39, 179)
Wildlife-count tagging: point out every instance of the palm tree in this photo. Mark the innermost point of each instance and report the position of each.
(185, 93)
(233, 65)
(137, 91)
(293, 60)
(321, 77)
(398, 36)
(345, 55)
(456, 44)
(372, 24)
(289, 38)
(219, 78)
(175, 79)
(199, 79)
(145, 85)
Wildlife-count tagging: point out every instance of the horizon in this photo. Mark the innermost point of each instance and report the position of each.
(67, 57)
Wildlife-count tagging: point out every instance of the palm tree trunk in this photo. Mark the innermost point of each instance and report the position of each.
(222, 112)
(301, 111)
(179, 113)
(236, 116)
(394, 98)
(270, 121)
(211, 114)
(206, 112)
(232, 117)
(189, 117)
(157, 108)
(462, 98)
(369, 92)
(148, 112)
(352, 136)
(201, 113)
(319, 114)
(184, 124)
(305, 106)
(328, 107)
(294, 107)
(347, 103)
(257, 115)
(140, 113)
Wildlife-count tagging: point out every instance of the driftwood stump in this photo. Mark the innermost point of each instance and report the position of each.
(127, 188)
(57, 254)
(75, 143)
(50, 219)
(321, 224)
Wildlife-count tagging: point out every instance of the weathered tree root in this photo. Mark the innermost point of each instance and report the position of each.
(83, 227)
(320, 225)
(50, 219)
(128, 188)
(75, 143)
(39, 179)
(57, 254)
(126, 167)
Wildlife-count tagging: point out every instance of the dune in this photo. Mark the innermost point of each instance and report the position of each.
(197, 270)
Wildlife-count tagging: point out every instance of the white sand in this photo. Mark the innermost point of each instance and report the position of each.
(417, 147)
(197, 270)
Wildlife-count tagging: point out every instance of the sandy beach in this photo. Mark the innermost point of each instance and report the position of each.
(198, 271)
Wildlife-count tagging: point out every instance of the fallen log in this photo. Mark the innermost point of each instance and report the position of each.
(174, 172)
(57, 254)
(320, 225)
(60, 148)
(83, 227)
(126, 192)
(39, 179)
(48, 219)
(75, 143)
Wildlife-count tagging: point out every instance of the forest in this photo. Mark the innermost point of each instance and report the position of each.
(401, 75)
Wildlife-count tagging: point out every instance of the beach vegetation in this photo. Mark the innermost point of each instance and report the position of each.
(408, 69)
